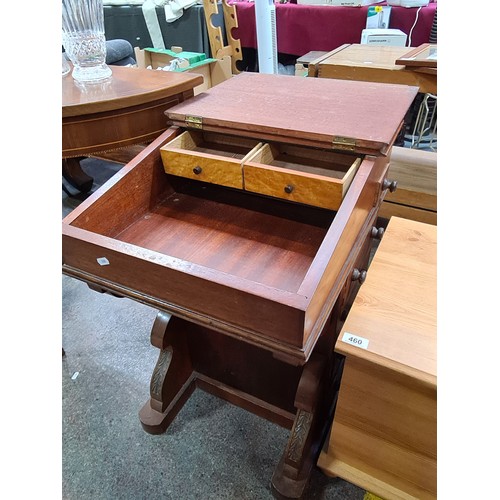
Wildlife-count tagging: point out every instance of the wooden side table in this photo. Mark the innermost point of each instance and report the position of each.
(126, 110)
(370, 63)
(383, 437)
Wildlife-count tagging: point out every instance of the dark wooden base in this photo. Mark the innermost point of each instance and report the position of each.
(73, 173)
(299, 398)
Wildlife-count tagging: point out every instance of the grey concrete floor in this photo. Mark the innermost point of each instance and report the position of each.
(212, 450)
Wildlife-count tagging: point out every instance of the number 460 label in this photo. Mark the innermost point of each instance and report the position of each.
(355, 340)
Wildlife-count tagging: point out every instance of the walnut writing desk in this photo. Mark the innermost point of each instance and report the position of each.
(383, 437)
(126, 110)
(250, 230)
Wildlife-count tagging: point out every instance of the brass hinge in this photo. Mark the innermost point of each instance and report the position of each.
(344, 143)
(194, 121)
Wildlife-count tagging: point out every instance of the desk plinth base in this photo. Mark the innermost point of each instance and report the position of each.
(299, 398)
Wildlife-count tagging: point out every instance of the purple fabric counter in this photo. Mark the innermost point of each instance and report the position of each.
(303, 28)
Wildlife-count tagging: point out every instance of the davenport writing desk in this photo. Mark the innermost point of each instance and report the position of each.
(383, 436)
(249, 228)
(126, 110)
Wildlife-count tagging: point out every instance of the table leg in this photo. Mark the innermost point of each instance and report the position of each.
(172, 381)
(315, 400)
(73, 173)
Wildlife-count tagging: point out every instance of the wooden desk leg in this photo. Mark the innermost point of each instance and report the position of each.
(172, 381)
(314, 402)
(73, 173)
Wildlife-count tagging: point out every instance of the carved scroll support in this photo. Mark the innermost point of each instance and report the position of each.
(172, 381)
(313, 405)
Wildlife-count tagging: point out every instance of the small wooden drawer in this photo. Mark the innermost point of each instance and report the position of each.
(312, 176)
(209, 157)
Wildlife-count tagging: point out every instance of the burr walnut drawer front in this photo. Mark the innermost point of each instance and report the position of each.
(312, 176)
(209, 157)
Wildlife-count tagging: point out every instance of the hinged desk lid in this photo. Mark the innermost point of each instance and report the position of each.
(362, 117)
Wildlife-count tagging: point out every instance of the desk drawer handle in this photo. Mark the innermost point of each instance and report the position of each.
(390, 185)
(377, 233)
(197, 170)
(358, 275)
(288, 188)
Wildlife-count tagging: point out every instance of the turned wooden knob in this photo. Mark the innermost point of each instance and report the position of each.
(377, 233)
(358, 275)
(288, 188)
(197, 170)
(390, 185)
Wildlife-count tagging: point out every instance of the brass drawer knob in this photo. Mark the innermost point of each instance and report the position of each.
(358, 275)
(197, 170)
(390, 185)
(377, 233)
(288, 188)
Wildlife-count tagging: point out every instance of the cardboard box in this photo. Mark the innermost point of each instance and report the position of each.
(378, 17)
(391, 37)
(214, 71)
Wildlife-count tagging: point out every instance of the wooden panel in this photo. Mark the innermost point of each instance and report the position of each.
(268, 100)
(416, 196)
(416, 174)
(384, 426)
(388, 210)
(106, 131)
(356, 216)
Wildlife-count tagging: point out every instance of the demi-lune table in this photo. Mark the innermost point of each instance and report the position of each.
(126, 110)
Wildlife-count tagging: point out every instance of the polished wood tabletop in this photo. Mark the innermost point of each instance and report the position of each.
(371, 63)
(127, 87)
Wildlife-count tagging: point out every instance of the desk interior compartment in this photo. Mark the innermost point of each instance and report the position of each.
(209, 157)
(312, 176)
(198, 248)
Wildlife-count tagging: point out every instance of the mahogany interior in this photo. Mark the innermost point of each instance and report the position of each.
(255, 239)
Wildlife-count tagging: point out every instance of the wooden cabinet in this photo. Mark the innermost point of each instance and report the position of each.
(383, 437)
(243, 275)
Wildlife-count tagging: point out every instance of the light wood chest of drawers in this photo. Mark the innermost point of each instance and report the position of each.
(383, 437)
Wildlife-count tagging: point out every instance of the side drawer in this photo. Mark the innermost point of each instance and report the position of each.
(306, 175)
(209, 157)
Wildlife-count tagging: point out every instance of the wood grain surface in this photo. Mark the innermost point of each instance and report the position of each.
(373, 63)
(384, 434)
(266, 106)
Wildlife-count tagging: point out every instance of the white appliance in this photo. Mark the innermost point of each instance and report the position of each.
(408, 3)
(267, 47)
(391, 36)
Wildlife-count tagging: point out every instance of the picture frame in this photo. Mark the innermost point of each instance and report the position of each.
(424, 55)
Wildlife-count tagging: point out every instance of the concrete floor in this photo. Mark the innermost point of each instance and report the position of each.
(212, 450)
